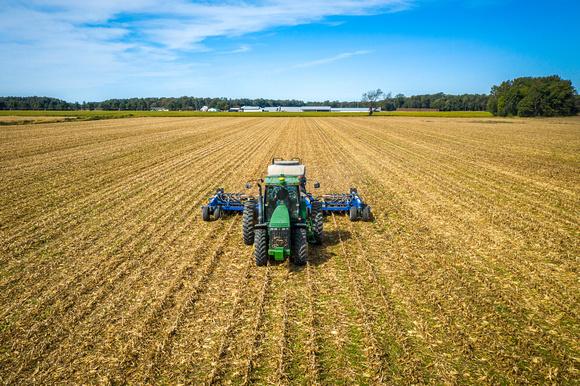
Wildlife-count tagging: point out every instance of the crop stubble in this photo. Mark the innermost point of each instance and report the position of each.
(468, 272)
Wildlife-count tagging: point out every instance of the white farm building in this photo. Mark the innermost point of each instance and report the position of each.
(302, 109)
(251, 109)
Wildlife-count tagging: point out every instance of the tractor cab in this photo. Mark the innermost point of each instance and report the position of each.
(287, 195)
(289, 168)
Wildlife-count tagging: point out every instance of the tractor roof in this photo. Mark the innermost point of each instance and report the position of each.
(287, 168)
(279, 180)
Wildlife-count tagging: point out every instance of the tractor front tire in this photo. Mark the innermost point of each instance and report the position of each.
(248, 221)
(205, 213)
(261, 247)
(353, 214)
(317, 218)
(300, 247)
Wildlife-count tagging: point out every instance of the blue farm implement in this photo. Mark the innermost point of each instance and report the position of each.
(351, 203)
(222, 202)
(341, 203)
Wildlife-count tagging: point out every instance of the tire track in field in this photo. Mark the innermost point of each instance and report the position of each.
(265, 360)
(257, 332)
(312, 319)
(217, 369)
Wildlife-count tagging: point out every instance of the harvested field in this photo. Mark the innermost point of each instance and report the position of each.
(19, 119)
(468, 273)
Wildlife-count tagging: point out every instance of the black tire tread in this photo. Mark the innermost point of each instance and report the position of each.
(261, 247)
(317, 218)
(248, 221)
(205, 213)
(366, 213)
(353, 214)
(300, 247)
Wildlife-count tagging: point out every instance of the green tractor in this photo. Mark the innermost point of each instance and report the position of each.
(285, 218)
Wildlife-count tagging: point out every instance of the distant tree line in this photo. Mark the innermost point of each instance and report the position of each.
(36, 103)
(444, 102)
(530, 97)
(440, 101)
(545, 96)
(180, 103)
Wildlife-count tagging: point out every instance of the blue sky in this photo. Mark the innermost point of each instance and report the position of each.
(309, 50)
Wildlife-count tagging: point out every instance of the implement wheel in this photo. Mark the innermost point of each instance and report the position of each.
(366, 213)
(261, 247)
(217, 213)
(299, 247)
(317, 219)
(248, 221)
(353, 214)
(205, 213)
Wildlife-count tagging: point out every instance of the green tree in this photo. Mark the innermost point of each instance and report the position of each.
(530, 97)
(371, 97)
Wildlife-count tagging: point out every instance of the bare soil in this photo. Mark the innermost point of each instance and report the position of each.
(467, 274)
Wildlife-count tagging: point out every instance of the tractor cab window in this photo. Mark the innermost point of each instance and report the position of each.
(286, 194)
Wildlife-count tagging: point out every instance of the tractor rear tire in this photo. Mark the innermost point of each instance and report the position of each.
(205, 213)
(366, 213)
(317, 218)
(217, 213)
(248, 221)
(353, 214)
(300, 247)
(261, 247)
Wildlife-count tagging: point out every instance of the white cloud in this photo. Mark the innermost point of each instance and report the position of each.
(344, 55)
(186, 25)
(240, 50)
(71, 44)
(175, 24)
